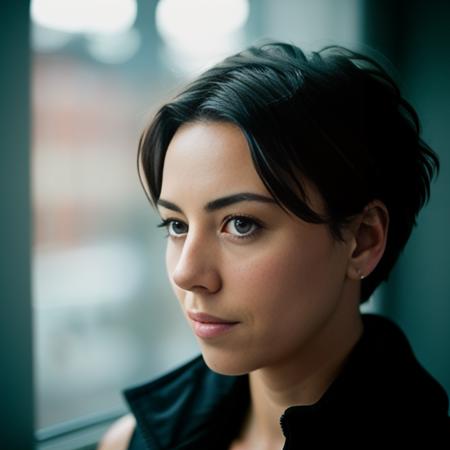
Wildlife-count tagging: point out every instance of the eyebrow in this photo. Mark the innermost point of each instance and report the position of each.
(221, 202)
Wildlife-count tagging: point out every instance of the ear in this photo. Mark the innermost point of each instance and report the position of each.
(370, 231)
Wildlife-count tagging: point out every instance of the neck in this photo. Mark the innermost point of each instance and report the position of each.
(301, 380)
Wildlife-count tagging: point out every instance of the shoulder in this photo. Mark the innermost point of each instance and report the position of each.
(118, 436)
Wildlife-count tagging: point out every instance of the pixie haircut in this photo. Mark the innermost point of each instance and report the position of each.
(334, 118)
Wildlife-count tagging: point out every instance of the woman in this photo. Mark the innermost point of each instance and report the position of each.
(288, 185)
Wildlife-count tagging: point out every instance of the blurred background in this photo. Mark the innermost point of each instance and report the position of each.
(87, 307)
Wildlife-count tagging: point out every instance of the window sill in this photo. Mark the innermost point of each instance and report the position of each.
(78, 434)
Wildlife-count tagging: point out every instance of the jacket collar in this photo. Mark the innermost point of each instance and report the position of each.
(187, 406)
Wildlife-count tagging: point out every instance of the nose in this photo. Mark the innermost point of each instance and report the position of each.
(196, 268)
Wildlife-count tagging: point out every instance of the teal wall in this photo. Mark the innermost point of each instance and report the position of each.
(417, 296)
(16, 393)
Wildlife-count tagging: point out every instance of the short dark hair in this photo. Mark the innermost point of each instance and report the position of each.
(334, 117)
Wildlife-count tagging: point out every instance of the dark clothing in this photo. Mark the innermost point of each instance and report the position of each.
(382, 397)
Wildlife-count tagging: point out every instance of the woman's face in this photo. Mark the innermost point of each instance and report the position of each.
(274, 279)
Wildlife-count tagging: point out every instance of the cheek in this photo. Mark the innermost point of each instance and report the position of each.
(284, 265)
(290, 277)
(172, 255)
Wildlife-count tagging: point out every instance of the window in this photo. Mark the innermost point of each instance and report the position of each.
(103, 310)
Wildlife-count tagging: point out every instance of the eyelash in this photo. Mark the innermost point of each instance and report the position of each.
(166, 223)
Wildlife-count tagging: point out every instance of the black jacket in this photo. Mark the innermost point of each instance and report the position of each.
(382, 398)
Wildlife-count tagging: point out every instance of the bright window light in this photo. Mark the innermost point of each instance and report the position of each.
(85, 16)
(197, 31)
(181, 19)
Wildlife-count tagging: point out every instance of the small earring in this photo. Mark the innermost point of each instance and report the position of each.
(360, 275)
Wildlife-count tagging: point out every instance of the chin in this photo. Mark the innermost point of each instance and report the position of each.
(227, 363)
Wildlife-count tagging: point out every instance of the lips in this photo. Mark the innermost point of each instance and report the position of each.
(207, 326)
(206, 318)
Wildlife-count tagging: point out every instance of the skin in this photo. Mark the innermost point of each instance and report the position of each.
(292, 288)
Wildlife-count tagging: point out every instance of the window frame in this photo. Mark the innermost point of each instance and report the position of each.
(82, 433)
(16, 387)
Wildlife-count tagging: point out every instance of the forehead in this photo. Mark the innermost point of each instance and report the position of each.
(207, 159)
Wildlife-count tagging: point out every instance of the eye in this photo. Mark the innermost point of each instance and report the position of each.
(242, 227)
(175, 228)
